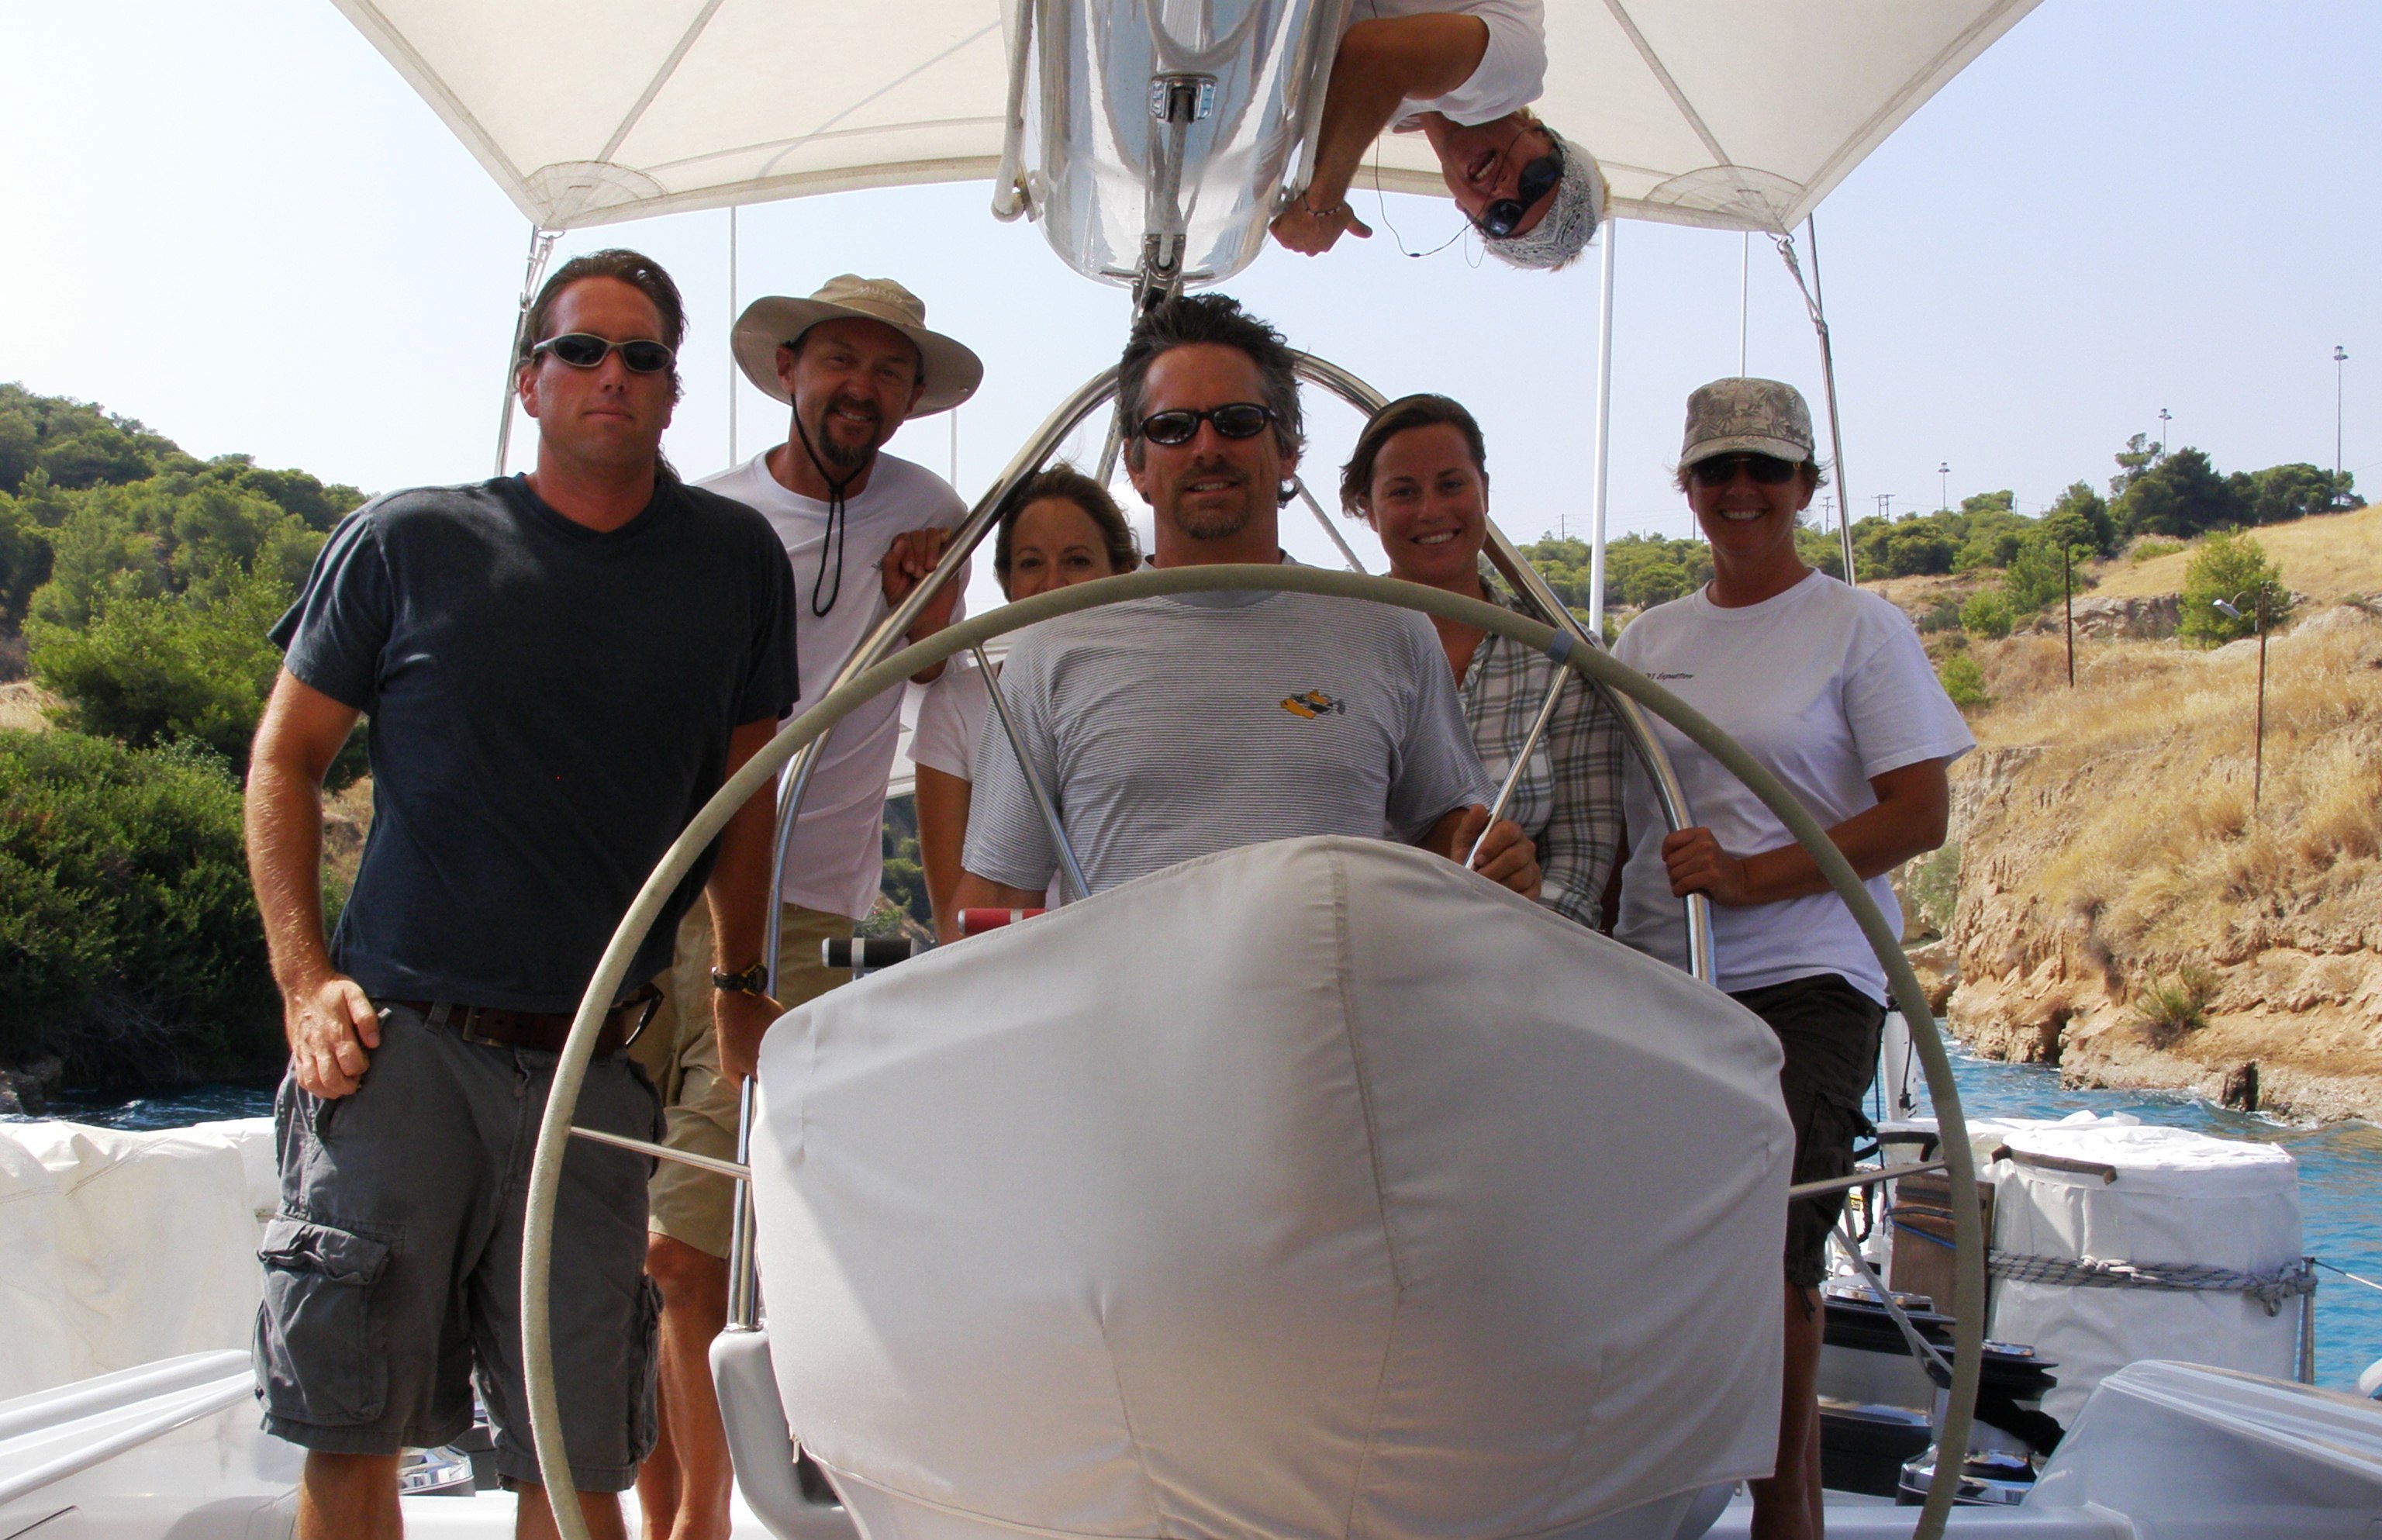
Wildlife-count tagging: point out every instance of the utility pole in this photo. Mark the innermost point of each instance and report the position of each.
(2067, 607)
(1885, 505)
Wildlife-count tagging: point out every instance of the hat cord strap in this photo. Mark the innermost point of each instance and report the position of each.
(838, 523)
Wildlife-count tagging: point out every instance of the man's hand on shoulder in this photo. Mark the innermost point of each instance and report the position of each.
(332, 1028)
(742, 1020)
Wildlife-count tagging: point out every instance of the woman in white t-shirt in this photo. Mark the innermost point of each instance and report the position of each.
(1060, 528)
(1829, 687)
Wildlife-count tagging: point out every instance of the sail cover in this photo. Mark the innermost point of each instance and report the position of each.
(1318, 1187)
(1739, 114)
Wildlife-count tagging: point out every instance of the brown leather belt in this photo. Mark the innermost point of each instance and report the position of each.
(545, 1031)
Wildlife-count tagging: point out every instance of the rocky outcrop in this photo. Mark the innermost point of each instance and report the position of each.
(2139, 617)
(2124, 914)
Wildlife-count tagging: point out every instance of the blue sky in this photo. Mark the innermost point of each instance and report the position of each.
(235, 222)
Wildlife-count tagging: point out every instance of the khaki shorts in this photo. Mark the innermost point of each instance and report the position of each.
(680, 1052)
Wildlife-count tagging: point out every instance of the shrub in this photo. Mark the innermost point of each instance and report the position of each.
(2176, 1004)
(1987, 614)
(1933, 884)
(1964, 681)
(1943, 615)
(2038, 575)
(130, 945)
(2233, 567)
(152, 670)
(2149, 548)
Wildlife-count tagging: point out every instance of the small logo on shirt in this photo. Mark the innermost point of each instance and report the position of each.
(1312, 703)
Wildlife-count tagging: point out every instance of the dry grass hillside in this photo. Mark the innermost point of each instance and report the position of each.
(2329, 557)
(2122, 909)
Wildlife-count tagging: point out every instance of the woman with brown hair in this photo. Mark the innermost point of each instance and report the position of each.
(1058, 529)
(1420, 476)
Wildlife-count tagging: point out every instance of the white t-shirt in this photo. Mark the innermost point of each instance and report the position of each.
(1171, 727)
(836, 860)
(951, 718)
(1827, 686)
(1511, 75)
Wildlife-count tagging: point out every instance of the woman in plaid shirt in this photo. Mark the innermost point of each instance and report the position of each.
(1420, 477)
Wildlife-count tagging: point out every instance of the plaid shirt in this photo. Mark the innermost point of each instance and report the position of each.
(1569, 798)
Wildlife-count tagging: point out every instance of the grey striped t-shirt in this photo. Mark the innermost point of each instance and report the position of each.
(1174, 727)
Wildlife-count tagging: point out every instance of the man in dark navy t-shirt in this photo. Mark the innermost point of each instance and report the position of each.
(559, 670)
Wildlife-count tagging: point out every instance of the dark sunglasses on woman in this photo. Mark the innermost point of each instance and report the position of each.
(1238, 420)
(585, 351)
(1502, 217)
(1721, 469)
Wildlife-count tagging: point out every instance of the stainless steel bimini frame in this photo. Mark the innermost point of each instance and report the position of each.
(775, 1462)
(743, 1306)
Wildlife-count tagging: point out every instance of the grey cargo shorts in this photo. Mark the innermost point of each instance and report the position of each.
(392, 1271)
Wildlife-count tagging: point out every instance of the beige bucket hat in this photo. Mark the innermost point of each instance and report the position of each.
(952, 371)
(1744, 415)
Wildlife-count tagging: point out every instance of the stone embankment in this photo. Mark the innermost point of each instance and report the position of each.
(2124, 910)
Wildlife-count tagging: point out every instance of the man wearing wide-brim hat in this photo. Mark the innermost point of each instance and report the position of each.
(853, 362)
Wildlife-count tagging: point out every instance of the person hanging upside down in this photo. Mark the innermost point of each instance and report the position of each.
(1463, 74)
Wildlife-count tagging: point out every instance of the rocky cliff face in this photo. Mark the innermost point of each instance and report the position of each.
(2124, 911)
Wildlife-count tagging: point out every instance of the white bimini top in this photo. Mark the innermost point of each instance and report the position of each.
(1312, 1189)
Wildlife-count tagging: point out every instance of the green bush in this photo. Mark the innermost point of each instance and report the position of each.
(2037, 576)
(2176, 1004)
(2230, 566)
(1964, 681)
(152, 670)
(1987, 614)
(2149, 548)
(1943, 615)
(130, 945)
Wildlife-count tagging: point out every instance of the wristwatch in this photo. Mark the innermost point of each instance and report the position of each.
(754, 981)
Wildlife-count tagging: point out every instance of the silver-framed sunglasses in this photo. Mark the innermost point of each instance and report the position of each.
(586, 350)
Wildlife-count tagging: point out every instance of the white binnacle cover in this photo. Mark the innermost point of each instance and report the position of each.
(1313, 1188)
(2179, 1196)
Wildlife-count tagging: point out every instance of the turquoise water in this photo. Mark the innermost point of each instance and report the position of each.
(2340, 1174)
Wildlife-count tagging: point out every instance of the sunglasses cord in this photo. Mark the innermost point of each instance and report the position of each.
(839, 523)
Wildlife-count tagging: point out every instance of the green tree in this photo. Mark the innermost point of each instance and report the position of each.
(2281, 493)
(2134, 462)
(173, 533)
(2181, 496)
(1987, 614)
(2037, 576)
(1916, 548)
(155, 670)
(2232, 566)
(24, 561)
(2080, 520)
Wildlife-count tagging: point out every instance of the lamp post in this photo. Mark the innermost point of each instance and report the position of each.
(2231, 606)
(2164, 418)
(2340, 359)
(1942, 484)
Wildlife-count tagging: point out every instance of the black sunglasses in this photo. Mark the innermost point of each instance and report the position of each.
(1238, 420)
(1502, 217)
(1721, 469)
(585, 351)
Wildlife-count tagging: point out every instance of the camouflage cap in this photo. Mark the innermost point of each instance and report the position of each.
(1743, 415)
